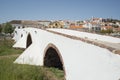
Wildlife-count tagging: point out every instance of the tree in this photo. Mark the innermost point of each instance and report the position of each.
(0, 28)
(8, 28)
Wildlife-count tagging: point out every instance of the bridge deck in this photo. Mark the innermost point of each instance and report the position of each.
(113, 47)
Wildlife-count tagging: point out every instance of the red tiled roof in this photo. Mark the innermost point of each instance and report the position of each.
(107, 27)
(75, 27)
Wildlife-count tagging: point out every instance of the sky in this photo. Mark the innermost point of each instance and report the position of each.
(58, 9)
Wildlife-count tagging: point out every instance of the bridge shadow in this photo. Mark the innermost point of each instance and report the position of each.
(29, 40)
(53, 58)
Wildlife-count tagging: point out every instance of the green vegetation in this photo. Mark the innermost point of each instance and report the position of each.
(8, 28)
(12, 71)
(6, 47)
(0, 28)
(106, 31)
(58, 73)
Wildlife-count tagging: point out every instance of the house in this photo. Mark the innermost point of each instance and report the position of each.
(66, 24)
(56, 24)
(93, 24)
(97, 20)
(116, 29)
(73, 26)
(118, 23)
(106, 28)
(44, 22)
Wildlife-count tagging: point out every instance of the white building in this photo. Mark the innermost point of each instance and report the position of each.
(93, 24)
(44, 22)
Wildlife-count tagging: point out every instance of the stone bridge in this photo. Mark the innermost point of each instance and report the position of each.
(80, 58)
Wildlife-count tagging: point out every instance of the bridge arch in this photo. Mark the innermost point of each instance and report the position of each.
(53, 58)
(29, 40)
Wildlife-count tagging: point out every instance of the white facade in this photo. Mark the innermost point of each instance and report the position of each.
(118, 24)
(93, 24)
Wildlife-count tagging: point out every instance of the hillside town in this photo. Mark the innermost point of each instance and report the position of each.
(95, 25)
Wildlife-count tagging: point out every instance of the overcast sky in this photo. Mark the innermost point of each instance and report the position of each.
(58, 9)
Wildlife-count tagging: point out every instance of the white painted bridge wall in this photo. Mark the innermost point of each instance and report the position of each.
(82, 61)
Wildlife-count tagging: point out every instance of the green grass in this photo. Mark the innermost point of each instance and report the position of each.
(6, 47)
(11, 71)
(57, 72)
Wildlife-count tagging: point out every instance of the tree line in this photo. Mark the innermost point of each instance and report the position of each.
(6, 28)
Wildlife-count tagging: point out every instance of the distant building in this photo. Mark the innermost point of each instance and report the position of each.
(74, 26)
(116, 29)
(18, 24)
(93, 24)
(44, 22)
(106, 28)
(118, 23)
(66, 24)
(56, 24)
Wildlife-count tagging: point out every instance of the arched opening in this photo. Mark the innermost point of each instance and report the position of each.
(52, 59)
(21, 35)
(29, 41)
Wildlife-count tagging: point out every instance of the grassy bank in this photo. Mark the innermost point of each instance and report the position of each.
(11, 71)
(6, 47)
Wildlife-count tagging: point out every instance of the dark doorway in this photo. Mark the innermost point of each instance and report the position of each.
(52, 59)
(29, 41)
